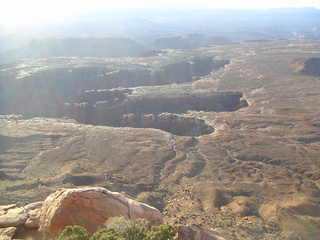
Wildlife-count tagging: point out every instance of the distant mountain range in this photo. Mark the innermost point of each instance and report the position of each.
(131, 32)
(78, 47)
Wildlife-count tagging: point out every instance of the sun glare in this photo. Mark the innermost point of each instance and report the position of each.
(15, 13)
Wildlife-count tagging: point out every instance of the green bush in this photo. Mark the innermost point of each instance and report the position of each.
(106, 234)
(129, 229)
(162, 232)
(74, 233)
(120, 228)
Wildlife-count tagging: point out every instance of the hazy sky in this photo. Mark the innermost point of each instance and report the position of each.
(23, 12)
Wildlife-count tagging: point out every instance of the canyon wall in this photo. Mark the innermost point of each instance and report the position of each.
(124, 107)
(39, 88)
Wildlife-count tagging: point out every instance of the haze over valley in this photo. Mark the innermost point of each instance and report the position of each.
(204, 119)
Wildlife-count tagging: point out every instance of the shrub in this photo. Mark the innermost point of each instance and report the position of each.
(162, 232)
(106, 234)
(74, 233)
(128, 229)
(120, 228)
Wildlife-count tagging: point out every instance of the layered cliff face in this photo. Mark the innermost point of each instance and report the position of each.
(173, 123)
(139, 108)
(39, 87)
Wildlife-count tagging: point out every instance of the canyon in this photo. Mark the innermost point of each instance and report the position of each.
(246, 132)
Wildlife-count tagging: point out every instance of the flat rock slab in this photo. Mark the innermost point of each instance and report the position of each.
(13, 217)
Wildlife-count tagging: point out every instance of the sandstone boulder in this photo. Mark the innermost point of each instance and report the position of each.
(90, 208)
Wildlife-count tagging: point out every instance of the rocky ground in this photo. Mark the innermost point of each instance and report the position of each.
(256, 176)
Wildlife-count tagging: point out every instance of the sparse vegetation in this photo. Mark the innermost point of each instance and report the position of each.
(119, 228)
(162, 232)
(74, 233)
(106, 234)
(129, 229)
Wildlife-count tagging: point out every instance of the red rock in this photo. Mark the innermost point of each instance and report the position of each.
(90, 208)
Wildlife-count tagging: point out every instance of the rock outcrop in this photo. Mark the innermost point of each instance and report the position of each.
(90, 207)
(13, 217)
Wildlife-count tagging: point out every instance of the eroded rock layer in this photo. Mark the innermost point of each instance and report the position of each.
(173, 123)
(38, 87)
(134, 108)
